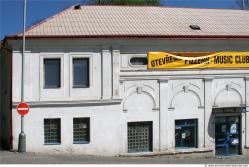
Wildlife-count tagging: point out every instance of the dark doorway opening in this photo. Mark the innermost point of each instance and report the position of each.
(227, 135)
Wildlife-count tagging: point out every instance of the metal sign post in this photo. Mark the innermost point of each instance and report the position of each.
(22, 136)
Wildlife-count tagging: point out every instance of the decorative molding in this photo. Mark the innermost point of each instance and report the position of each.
(163, 80)
(19, 51)
(44, 104)
(198, 87)
(234, 83)
(150, 87)
(139, 90)
(228, 88)
(246, 79)
(173, 76)
(175, 86)
(171, 108)
(115, 48)
(155, 109)
(129, 87)
(105, 48)
(185, 89)
(208, 79)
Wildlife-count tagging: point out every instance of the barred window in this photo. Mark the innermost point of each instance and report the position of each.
(139, 136)
(52, 131)
(81, 130)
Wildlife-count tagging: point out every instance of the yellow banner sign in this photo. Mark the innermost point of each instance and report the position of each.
(164, 60)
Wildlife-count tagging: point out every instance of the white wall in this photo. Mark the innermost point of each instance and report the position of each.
(104, 130)
(158, 96)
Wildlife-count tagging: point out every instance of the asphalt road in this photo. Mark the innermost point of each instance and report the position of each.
(7, 157)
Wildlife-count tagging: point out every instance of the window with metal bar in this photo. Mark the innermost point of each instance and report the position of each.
(186, 133)
(139, 136)
(80, 72)
(52, 131)
(52, 76)
(81, 130)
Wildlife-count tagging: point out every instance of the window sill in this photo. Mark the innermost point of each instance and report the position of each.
(52, 144)
(75, 87)
(51, 87)
(81, 142)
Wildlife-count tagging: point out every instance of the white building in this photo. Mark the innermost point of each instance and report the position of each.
(90, 92)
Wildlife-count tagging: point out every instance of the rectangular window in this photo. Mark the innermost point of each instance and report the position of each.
(81, 130)
(52, 73)
(52, 131)
(139, 136)
(80, 72)
(186, 133)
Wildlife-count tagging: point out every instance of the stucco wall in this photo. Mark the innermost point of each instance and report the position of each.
(105, 128)
(158, 96)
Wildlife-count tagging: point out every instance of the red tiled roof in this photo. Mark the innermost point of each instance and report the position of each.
(142, 21)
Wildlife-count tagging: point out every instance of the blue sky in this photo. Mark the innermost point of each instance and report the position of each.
(11, 11)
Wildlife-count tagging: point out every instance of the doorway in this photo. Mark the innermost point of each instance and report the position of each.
(227, 135)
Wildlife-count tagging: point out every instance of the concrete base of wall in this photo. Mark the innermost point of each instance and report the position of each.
(177, 153)
(246, 151)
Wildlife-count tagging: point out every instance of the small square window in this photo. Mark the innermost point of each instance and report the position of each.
(80, 72)
(52, 78)
(81, 130)
(186, 133)
(52, 131)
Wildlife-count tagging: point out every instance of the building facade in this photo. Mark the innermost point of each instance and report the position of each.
(95, 95)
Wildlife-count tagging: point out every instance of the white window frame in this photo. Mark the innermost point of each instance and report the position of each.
(80, 92)
(126, 64)
(51, 93)
(44, 77)
(137, 66)
(72, 72)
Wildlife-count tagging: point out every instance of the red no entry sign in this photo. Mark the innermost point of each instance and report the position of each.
(22, 108)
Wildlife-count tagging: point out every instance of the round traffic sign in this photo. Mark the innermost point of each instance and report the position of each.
(22, 108)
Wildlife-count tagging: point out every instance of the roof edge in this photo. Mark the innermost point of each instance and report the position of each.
(44, 20)
(196, 37)
(165, 6)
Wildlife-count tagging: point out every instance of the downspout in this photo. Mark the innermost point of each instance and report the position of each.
(10, 100)
(159, 115)
(205, 110)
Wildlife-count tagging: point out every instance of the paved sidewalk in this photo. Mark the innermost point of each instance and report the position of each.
(7, 157)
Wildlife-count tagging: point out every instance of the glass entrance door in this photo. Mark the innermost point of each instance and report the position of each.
(227, 136)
